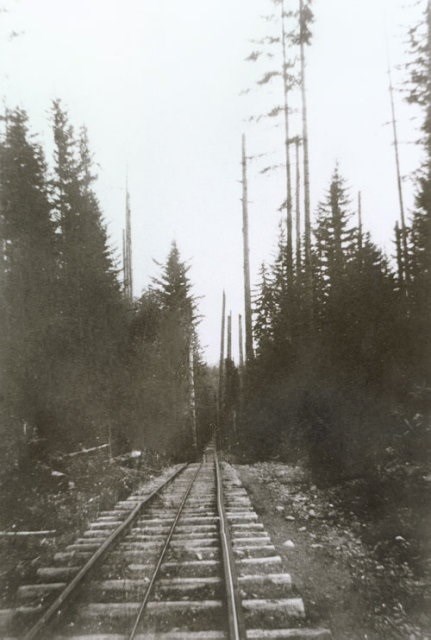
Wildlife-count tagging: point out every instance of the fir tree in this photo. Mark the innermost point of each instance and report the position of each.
(420, 289)
(264, 305)
(334, 234)
(28, 273)
(176, 340)
(91, 315)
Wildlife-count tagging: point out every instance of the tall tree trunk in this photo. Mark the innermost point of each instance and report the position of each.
(307, 203)
(246, 249)
(360, 232)
(241, 365)
(428, 91)
(128, 250)
(221, 362)
(124, 264)
(399, 185)
(229, 336)
(400, 271)
(298, 211)
(240, 343)
(192, 400)
(289, 243)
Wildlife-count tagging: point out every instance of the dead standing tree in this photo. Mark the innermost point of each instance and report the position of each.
(192, 394)
(284, 71)
(304, 39)
(287, 85)
(127, 251)
(231, 399)
(249, 353)
(405, 272)
(298, 209)
(293, 33)
(221, 364)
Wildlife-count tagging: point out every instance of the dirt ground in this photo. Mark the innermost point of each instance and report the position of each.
(346, 584)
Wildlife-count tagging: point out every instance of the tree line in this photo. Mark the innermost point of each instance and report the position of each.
(342, 369)
(81, 363)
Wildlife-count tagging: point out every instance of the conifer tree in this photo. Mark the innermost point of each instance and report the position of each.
(306, 17)
(90, 306)
(264, 310)
(177, 337)
(334, 233)
(28, 273)
(332, 392)
(420, 289)
(86, 266)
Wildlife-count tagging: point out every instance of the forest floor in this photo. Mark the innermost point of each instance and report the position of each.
(360, 573)
(62, 498)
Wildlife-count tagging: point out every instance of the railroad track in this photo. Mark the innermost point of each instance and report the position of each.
(186, 559)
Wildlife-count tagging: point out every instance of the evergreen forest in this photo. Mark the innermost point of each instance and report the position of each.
(337, 365)
(82, 364)
(331, 389)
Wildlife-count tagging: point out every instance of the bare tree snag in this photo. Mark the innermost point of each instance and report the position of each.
(221, 362)
(247, 287)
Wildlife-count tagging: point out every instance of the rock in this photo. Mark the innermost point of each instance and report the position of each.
(303, 529)
(289, 544)
(317, 545)
(290, 518)
(312, 513)
(279, 508)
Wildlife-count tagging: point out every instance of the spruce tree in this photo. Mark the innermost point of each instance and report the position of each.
(90, 334)
(176, 340)
(264, 310)
(419, 93)
(27, 275)
(334, 234)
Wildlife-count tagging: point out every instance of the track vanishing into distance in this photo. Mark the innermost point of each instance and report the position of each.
(183, 559)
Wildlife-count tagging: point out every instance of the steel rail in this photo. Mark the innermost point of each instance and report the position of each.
(68, 591)
(155, 573)
(237, 630)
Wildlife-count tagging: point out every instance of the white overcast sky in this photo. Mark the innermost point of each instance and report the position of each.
(157, 83)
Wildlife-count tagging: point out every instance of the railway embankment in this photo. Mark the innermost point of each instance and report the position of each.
(358, 558)
(361, 556)
(132, 573)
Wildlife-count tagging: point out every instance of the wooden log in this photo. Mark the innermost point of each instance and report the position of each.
(289, 634)
(26, 534)
(84, 451)
(32, 591)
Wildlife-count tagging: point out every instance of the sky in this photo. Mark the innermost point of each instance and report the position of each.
(165, 92)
